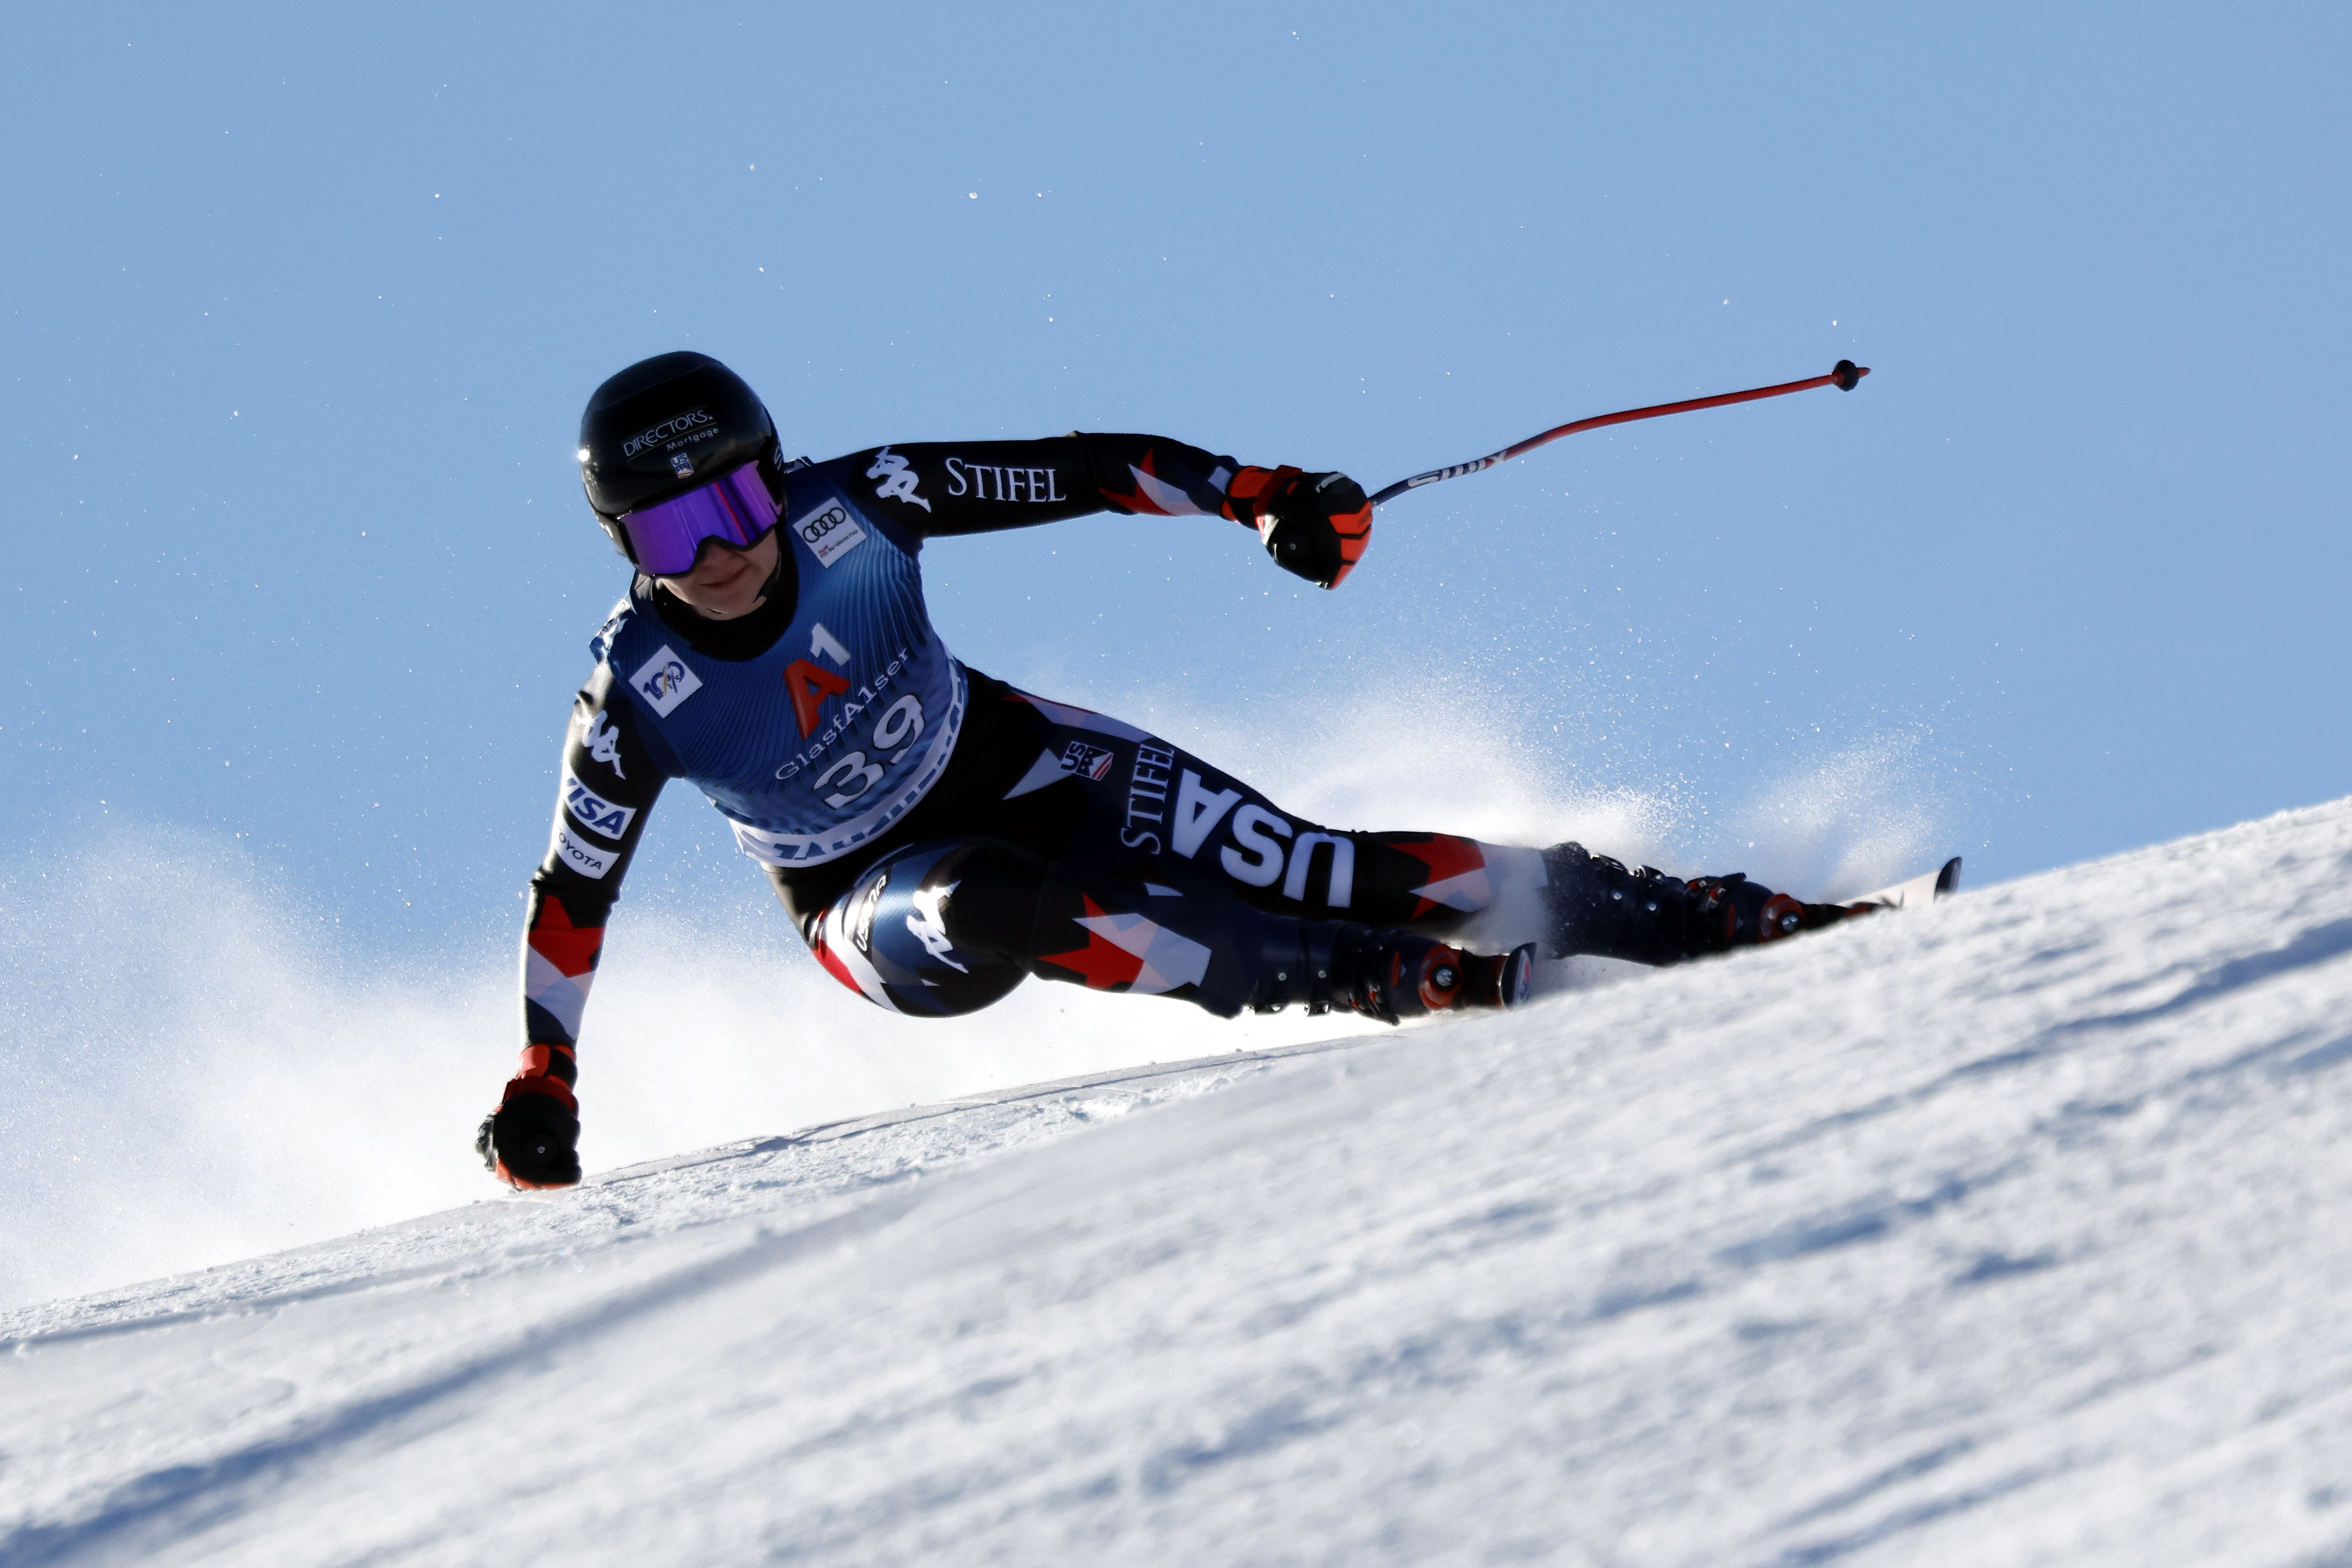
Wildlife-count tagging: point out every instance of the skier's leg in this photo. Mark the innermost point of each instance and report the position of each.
(1128, 798)
(1066, 844)
(1089, 791)
(1178, 821)
(1119, 933)
(939, 929)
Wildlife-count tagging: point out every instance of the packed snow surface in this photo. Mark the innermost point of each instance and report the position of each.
(2014, 1229)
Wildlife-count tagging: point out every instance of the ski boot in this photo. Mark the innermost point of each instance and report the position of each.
(1599, 907)
(1388, 975)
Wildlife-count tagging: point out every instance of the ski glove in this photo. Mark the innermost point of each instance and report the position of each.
(1314, 525)
(531, 1140)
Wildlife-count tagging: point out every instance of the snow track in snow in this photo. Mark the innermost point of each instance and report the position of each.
(2013, 1229)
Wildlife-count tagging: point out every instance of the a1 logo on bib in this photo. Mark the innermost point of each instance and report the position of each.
(663, 680)
(830, 532)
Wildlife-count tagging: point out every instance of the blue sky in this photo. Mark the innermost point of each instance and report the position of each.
(301, 309)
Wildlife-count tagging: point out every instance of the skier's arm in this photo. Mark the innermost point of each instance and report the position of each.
(610, 780)
(1315, 524)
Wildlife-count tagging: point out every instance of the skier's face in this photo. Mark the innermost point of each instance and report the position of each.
(725, 583)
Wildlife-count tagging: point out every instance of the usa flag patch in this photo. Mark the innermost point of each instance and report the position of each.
(1086, 761)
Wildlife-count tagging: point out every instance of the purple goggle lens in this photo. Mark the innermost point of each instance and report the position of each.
(735, 509)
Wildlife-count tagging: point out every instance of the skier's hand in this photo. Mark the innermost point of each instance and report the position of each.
(530, 1140)
(1315, 525)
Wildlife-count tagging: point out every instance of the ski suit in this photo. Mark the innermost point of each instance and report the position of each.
(935, 834)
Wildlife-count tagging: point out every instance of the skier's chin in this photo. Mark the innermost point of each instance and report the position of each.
(727, 588)
(720, 604)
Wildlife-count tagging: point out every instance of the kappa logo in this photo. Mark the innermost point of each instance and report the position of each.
(604, 743)
(1088, 761)
(898, 478)
(593, 812)
(663, 680)
(830, 532)
(929, 924)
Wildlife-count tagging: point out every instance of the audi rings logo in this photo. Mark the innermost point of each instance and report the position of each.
(675, 426)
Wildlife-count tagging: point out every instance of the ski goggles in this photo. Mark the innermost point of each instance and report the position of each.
(735, 509)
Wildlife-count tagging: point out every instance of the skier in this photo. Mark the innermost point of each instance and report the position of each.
(938, 836)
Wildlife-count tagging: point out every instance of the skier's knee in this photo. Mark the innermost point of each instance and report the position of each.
(933, 930)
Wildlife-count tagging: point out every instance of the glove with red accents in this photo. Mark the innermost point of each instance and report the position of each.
(1315, 525)
(531, 1140)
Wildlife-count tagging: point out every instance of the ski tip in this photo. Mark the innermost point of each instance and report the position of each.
(1925, 888)
(1849, 374)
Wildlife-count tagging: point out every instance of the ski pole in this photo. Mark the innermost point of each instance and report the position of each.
(1845, 377)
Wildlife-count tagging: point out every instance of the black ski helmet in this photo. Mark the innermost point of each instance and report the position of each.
(664, 426)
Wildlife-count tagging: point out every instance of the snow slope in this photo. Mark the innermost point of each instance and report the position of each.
(2010, 1230)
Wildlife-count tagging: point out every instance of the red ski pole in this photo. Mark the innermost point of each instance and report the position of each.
(1845, 377)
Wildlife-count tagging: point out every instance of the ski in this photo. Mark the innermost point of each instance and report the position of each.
(1925, 888)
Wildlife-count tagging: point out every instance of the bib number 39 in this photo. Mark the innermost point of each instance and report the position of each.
(852, 776)
(854, 773)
